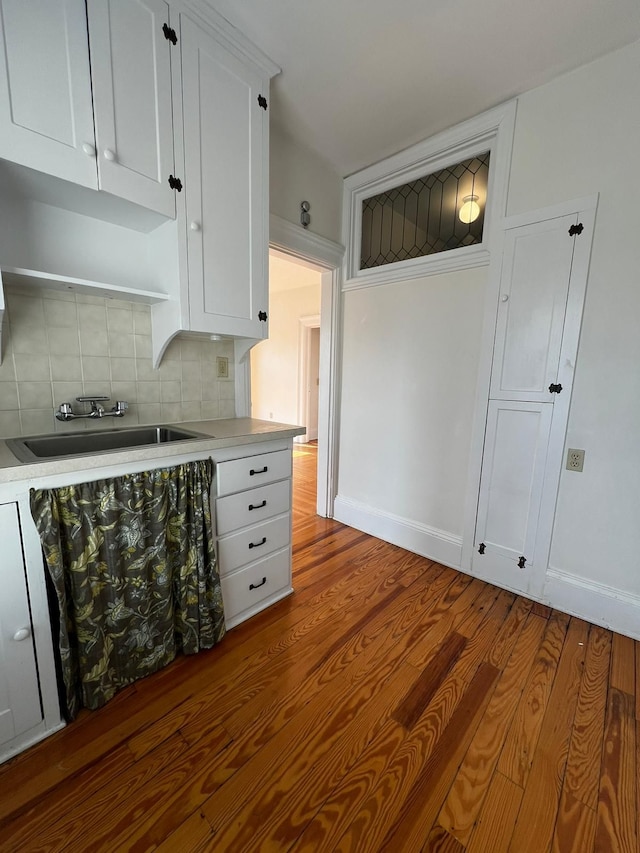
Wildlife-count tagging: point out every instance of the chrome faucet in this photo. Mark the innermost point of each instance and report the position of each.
(66, 413)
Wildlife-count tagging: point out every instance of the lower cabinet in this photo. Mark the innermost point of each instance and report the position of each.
(20, 707)
(253, 527)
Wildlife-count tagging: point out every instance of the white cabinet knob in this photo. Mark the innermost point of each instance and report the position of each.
(504, 297)
(109, 154)
(195, 226)
(89, 149)
(21, 634)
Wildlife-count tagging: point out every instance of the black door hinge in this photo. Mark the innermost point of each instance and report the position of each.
(170, 34)
(175, 183)
(262, 102)
(481, 548)
(521, 562)
(262, 316)
(555, 389)
(576, 229)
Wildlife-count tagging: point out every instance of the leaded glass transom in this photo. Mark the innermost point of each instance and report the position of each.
(422, 217)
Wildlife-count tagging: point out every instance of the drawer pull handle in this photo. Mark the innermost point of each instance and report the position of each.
(256, 585)
(257, 506)
(258, 544)
(258, 471)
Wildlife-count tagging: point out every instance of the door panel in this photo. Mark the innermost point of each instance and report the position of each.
(20, 708)
(131, 68)
(225, 182)
(45, 89)
(512, 476)
(533, 297)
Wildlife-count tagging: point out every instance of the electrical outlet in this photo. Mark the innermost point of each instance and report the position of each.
(575, 459)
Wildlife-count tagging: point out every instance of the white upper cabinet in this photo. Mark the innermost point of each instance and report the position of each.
(533, 298)
(226, 170)
(45, 89)
(121, 141)
(131, 80)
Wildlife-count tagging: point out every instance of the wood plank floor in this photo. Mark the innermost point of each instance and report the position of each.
(389, 704)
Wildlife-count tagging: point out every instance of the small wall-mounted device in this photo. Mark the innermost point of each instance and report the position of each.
(305, 219)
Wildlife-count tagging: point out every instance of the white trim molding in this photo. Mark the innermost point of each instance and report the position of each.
(603, 605)
(439, 545)
(294, 240)
(491, 131)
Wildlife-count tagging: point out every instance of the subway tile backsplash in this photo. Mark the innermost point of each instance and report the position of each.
(61, 345)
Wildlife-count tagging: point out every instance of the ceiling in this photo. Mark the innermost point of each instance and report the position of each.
(363, 79)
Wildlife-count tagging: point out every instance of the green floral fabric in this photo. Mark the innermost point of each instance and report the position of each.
(133, 565)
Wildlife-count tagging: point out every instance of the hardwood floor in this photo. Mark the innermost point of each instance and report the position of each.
(389, 704)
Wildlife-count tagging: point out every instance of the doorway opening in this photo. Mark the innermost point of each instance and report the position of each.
(285, 368)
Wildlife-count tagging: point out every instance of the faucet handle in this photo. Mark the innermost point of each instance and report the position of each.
(96, 398)
(120, 408)
(65, 412)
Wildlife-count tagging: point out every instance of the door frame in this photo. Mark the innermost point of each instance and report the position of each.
(327, 257)
(306, 324)
(585, 208)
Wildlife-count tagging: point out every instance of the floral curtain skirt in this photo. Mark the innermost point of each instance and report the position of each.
(133, 565)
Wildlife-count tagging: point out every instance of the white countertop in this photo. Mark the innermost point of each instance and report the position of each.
(229, 432)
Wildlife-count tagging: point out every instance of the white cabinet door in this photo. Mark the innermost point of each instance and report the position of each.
(226, 144)
(543, 284)
(20, 708)
(513, 468)
(45, 89)
(533, 296)
(131, 80)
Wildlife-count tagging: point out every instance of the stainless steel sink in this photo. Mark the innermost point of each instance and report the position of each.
(40, 447)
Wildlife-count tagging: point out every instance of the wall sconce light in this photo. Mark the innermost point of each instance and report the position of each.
(470, 209)
(305, 219)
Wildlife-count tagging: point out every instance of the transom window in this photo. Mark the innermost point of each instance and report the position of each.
(438, 212)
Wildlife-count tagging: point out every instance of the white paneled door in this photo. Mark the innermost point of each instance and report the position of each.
(225, 132)
(20, 708)
(46, 111)
(542, 287)
(131, 78)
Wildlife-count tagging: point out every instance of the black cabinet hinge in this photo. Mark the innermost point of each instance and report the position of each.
(481, 548)
(175, 183)
(262, 316)
(170, 34)
(576, 229)
(555, 389)
(521, 562)
(262, 102)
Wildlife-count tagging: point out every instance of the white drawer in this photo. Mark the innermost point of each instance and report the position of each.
(252, 506)
(249, 586)
(252, 543)
(252, 471)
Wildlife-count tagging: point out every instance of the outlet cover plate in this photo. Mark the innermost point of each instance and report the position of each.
(575, 459)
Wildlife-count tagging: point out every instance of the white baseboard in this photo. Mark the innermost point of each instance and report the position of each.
(603, 605)
(438, 545)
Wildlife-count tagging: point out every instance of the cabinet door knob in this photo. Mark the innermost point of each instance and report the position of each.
(109, 154)
(21, 634)
(195, 226)
(89, 149)
(504, 297)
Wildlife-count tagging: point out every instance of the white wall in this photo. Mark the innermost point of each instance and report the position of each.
(274, 362)
(411, 355)
(297, 174)
(575, 136)
(408, 385)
